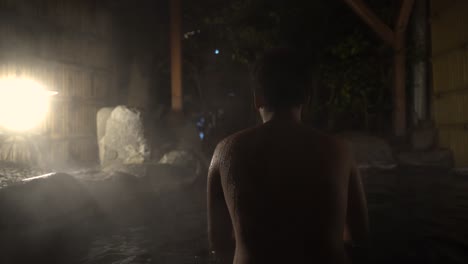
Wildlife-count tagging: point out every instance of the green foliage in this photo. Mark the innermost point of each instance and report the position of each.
(352, 65)
(242, 38)
(248, 27)
(356, 73)
(353, 77)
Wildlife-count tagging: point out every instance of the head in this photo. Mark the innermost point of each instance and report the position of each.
(281, 78)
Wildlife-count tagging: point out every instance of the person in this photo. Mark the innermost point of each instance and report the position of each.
(283, 192)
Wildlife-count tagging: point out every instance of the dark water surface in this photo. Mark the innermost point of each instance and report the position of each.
(417, 215)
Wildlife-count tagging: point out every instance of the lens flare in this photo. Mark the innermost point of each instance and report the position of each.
(23, 104)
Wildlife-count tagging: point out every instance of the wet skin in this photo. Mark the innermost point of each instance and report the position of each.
(283, 193)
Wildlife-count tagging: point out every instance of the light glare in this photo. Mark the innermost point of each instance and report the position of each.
(23, 104)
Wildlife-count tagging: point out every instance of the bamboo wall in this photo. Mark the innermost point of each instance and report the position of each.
(67, 47)
(449, 21)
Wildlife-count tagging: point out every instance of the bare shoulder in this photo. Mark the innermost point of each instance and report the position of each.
(238, 138)
(226, 146)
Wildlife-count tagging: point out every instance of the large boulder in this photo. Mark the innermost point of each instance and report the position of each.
(124, 139)
(45, 220)
(370, 151)
(183, 158)
(101, 123)
(165, 178)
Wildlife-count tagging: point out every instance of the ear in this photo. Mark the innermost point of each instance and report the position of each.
(259, 100)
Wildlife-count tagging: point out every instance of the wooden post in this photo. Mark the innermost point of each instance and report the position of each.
(399, 87)
(176, 55)
(420, 69)
(400, 113)
(397, 40)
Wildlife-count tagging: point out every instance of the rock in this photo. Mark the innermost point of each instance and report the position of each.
(423, 139)
(441, 158)
(124, 140)
(137, 170)
(102, 116)
(163, 178)
(44, 219)
(123, 178)
(101, 122)
(370, 151)
(182, 158)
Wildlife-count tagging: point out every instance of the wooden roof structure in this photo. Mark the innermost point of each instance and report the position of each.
(396, 38)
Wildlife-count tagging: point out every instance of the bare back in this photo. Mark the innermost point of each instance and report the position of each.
(286, 191)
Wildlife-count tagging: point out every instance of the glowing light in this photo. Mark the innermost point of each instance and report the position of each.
(23, 103)
(217, 51)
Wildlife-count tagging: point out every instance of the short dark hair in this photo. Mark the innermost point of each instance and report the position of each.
(281, 76)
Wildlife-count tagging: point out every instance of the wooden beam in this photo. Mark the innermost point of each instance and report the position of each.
(176, 55)
(371, 19)
(404, 15)
(397, 40)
